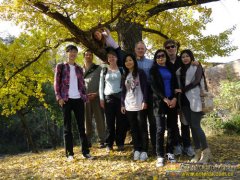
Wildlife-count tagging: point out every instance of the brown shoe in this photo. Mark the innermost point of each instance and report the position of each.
(197, 156)
(205, 156)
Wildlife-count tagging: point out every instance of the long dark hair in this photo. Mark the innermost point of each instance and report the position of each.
(135, 68)
(184, 67)
(102, 42)
(189, 52)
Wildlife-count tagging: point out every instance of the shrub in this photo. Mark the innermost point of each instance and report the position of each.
(212, 123)
(232, 126)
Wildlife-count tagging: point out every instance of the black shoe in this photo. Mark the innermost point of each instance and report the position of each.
(102, 145)
(120, 148)
(89, 145)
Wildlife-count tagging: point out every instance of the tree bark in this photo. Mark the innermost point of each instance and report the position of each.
(27, 132)
(129, 34)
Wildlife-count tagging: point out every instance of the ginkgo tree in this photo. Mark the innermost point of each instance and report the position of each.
(27, 63)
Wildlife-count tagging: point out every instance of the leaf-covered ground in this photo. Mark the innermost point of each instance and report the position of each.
(116, 165)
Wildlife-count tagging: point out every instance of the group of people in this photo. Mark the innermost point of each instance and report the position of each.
(131, 93)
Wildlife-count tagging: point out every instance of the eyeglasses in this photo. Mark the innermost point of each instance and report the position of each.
(160, 56)
(172, 46)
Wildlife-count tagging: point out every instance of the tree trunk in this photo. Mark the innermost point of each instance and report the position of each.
(53, 134)
(27, 132)
(129, 34)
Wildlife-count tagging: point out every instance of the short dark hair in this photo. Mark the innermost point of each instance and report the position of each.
(87, 50)
(71, 47)
(111, 51)
(158, 51)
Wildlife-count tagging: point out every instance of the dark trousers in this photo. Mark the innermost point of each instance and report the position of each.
(151, 121)
(138, 125)
(114, 116)
(77, 106)
(185, 135)
(163, 123)
(194, 120)
(184, 138)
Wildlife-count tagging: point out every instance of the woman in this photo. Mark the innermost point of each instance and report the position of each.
(103, 38)
(189, 79)
(163, 81)
(134, 98)
(110, 101)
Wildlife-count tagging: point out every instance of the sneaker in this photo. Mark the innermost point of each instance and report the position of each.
(177, 150)
(120, 148)
(108, 149)
(136, 155)
(70, 158)
(160, 162)
(102, 145)
(87, 156)
(189, 151)
(171, 158)
(143, 156)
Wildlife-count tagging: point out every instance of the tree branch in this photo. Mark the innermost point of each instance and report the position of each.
(65, 21)
(155, 32)
(31, 61)
(83, 36)
(24, 66)
(114, 18)
(176, 4)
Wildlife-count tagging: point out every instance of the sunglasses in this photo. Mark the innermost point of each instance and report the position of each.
(160, 56)
(172, 46)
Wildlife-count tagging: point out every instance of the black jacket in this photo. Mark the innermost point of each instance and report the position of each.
(157, 86)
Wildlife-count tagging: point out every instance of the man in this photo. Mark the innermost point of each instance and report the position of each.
(70, 93)
(91, 78)
(171, 48)
(146, 64)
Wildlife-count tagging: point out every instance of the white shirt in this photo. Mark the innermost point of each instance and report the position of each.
(73, 84)
(134, 96)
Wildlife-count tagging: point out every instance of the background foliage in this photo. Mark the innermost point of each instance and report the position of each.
(27, 62)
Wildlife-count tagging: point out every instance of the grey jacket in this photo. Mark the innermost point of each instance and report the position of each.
(91, 78)
(193, 95)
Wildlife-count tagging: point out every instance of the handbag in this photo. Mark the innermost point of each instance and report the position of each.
(206, 96)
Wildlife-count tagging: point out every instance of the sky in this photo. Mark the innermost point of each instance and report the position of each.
(225, 14)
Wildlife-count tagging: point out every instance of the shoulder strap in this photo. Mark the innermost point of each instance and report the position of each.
(92, 69)
(121, 70)
(205, 81)
(105, 70)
